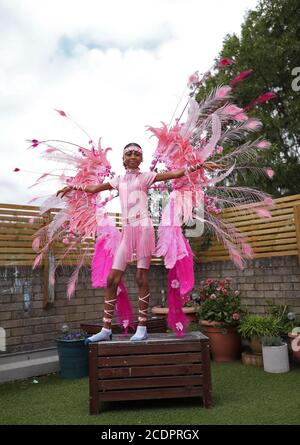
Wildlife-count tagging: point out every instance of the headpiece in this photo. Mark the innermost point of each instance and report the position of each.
(132, 147)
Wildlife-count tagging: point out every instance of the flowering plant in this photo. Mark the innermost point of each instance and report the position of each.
(218, 302)
(73, 336)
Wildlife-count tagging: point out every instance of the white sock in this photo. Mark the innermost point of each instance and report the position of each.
(140, 334)
(103, 335)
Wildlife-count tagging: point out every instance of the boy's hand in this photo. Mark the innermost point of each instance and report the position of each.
(64, 191)
(213, 166)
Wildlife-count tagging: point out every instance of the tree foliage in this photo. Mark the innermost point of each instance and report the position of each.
(269, 44)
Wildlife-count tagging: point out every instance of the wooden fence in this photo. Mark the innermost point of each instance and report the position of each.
(268, 237)
(277, 236)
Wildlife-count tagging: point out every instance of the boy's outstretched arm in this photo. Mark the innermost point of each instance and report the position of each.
(174, 174)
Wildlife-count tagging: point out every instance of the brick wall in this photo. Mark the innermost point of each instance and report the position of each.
(37, 327)
(276, 279)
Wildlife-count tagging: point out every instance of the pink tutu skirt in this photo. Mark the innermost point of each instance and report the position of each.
(138, 241)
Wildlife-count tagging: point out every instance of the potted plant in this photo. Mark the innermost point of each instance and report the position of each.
(73, 354)
(275, 354)
(220, 312)
(256, 326)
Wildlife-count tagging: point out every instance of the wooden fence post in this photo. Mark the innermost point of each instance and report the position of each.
(48, 266)
(297, 227)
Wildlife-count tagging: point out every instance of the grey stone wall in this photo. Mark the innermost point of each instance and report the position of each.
(276, 279)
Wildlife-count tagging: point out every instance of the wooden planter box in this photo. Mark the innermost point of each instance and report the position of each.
(163, 366)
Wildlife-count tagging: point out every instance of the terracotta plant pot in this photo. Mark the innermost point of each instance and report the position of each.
(295, 345)
(250, 359)
(225, 342)
(255, 345)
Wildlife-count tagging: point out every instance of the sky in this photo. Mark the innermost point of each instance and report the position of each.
(115, 66)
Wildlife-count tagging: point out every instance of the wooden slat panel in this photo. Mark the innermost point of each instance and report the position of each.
(285, 241)
(19, 256)
(261, 249)
(16, 262)
(16, 249)
(155, 359)
(18, 206)
(257, 255)
(252, 218)
(149, 382)
(277, 205)
(157, 393)
(17, 243)
(145, 371)
(23, 226)
(267, 237)
(15, 237)
(277, 201)
(107, 349)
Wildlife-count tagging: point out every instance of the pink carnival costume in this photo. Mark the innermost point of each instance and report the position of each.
(138, 238)
(210, 131)
(136, 242)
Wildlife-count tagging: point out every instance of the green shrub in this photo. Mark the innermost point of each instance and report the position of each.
(260, 326)
(271, 341)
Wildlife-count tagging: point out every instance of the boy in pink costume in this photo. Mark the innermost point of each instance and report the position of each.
(138, 237)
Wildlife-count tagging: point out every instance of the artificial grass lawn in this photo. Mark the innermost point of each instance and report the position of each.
(242, 395)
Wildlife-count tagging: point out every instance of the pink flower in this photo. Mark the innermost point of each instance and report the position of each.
(213, 296)
(175, 284)
(179, 326)
(236, 293)
(235, 316)
(210, 280)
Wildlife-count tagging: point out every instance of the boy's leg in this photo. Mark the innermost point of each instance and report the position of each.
(110, 294)
(143, 299)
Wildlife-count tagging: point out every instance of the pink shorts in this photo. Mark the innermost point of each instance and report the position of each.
(120, 262)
